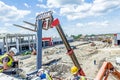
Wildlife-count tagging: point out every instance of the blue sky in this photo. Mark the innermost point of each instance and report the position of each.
(76, 16)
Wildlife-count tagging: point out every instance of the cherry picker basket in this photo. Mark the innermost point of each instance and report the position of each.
(46, 18)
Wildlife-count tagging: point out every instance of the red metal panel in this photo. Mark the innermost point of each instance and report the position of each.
(115, 34)
(49, 39)
(55, 22)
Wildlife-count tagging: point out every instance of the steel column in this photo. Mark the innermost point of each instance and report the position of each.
(17, 43)
(6, 41)
(39, 44)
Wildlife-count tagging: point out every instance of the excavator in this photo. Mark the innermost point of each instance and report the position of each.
(49, 22)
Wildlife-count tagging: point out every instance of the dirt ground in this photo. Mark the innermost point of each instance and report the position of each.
(85, 53)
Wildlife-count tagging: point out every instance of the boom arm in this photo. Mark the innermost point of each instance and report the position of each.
(107, 68)
(70, 51)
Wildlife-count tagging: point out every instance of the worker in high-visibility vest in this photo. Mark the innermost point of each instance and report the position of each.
(76, 76)
(6, 60)
(44, 75)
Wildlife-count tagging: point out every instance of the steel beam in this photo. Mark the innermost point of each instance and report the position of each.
(39, 44)
(24, 27)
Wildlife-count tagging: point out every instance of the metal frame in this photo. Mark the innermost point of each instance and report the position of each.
(39, 44)
(47, 17)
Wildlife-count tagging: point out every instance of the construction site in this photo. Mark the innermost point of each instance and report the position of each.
(95, 59)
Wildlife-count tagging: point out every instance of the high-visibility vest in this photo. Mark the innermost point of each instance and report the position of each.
(82, 78)
(79, 78)
(9, 63)
(48, 76)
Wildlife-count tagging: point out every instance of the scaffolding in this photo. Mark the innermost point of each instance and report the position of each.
(20, 41)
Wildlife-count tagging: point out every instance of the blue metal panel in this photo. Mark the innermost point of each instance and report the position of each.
(39, 44)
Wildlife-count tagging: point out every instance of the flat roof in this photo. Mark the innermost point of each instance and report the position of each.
(13, 35)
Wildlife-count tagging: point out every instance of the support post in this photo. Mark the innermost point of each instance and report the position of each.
(29, 42)
(6, 41)
(39, 44)
(17, 43)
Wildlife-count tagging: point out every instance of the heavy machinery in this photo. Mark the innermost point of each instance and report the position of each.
(46, 21)
(105, 70)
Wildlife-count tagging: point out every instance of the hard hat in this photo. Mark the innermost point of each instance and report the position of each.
(74, 70)
(13, 49)
(40, 70)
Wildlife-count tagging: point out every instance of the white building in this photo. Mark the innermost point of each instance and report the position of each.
(19, 41)
(58, 40)
(23, 42)
(117, 39)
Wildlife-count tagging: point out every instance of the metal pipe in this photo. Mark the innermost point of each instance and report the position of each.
(29, 23)
(62, 35)
(35, 25)
(24, 27)
(72, 56)
(39, 44)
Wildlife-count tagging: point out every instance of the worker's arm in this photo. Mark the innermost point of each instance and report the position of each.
(5, 61)
(5, 67)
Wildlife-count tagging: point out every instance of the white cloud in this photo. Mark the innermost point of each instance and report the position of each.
(40, 1)
(26, 5)
(9, 13)
(79, 9)
(98, 24)
(41, 6)
(3, 30)
(90, 28)
(93, 24)
(105, 5)
(79, 24)
(8, 24)
(9, 28)
(61, 3)
(24, 31)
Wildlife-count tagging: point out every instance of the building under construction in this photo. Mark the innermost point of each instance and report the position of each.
(25, 42)
(20, 41)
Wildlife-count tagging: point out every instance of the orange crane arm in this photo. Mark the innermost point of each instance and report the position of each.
(104, 71)
(70, 51)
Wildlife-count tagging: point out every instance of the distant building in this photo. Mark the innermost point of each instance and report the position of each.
(47, 41)
(20, 41)
(24, 42)
(58, 40)
(117, 39)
